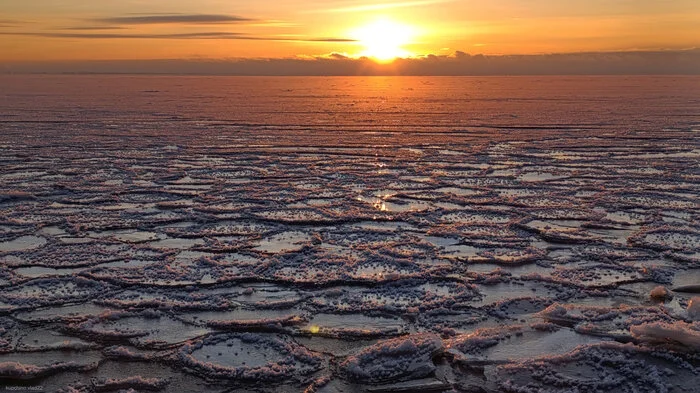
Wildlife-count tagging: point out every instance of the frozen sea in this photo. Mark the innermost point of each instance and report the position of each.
(384, 234)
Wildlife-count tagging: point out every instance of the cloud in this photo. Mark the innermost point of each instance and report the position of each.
(92, 36)
(212, 35)
(173, 19)
(11, 22)
(91, 28)
(460, 63)
(380, 7)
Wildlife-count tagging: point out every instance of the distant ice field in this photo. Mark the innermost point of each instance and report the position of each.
(350, 234)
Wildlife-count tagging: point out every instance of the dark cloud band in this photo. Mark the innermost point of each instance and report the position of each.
(173, 19)
(216, 35)
(92, 28)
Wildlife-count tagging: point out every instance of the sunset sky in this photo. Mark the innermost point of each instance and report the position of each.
(49, 30)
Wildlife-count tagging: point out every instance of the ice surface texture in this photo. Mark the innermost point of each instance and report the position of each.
(349, 234)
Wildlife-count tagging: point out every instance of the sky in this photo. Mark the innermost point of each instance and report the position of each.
(209, 30)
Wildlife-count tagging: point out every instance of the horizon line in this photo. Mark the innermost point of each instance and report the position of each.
(459, 63)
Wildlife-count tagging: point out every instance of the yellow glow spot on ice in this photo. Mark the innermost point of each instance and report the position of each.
(314, 329)
(383, 40)
(380, 205)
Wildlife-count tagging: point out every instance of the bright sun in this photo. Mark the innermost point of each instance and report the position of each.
(384, 39)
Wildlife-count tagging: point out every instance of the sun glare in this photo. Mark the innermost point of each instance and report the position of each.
(383, 40)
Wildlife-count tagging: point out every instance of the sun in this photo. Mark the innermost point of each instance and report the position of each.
(384, 39)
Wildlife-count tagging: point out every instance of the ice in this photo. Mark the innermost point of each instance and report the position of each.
(38, 271)
(337, 245)
(46, 339)
(176, 243)
(614, 322)
(244, 318)
(423, 385)
(396, 359)
(66, 313)
(31, 365)
(540, 176)
(284, 242)
(607, 366)
(678, 332)
(52, 291)
(23, 243)
(671, 239)
(145, 329)
(660, 293)
(248, 357)
(458, 191)
(513, 290)
(354, 325)
(131, 383)
(494, 345)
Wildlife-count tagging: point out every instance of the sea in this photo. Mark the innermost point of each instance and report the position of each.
(349, 234)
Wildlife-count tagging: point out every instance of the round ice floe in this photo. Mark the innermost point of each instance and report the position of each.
(353, 325)
(23, 243)
(513, 256)
(692, 259)
(133, 236)
(160, 299)
(30, 365)
(295, 216)
(516, 289)
(603, 321)
(566, 235)
(128, 353)
(43, 339)
(77, 255)
(611, 252)
(540, 176)
(241, 318)
(249, 357)
(131, 383)
(190, 269)
(600, 276)
(517, 307)
(172, 243)
(514, 343)
(308, 270)
(70, 313)
(284, 242)
(675, 333)
(395, 297)
(221, 228)
(669, 239)
(451, 322)
(604, 367)
(53, 291)
(148, 329)
(477, 218)
(401, 358)
(380, 271)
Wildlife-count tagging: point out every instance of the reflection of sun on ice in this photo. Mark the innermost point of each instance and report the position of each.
(384, 39)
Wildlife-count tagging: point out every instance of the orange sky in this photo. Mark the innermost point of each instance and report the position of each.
(212, 29)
